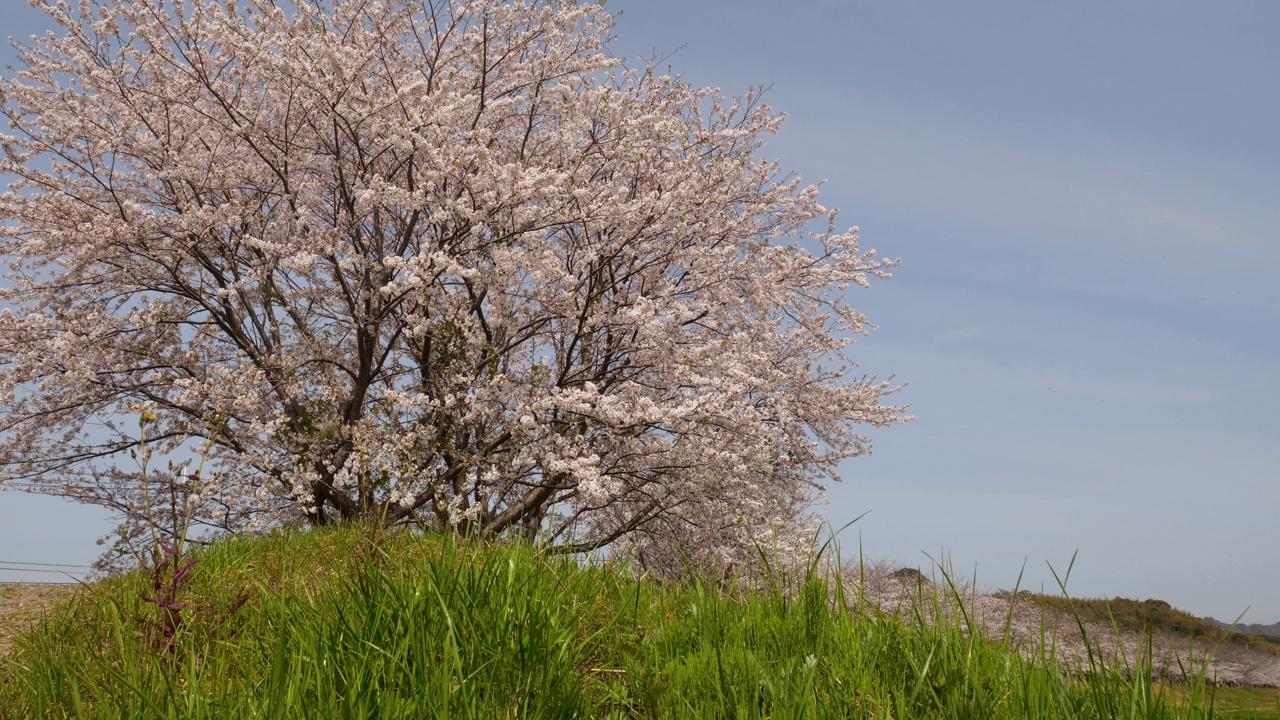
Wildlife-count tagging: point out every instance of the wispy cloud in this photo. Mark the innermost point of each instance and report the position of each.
(1095, 197)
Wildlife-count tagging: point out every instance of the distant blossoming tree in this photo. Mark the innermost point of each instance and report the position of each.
(418, 261)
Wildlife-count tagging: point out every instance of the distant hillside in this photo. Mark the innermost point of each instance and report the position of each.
(1272, 630)
(1140, 615)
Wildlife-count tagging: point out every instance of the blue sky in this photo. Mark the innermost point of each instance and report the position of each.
(1084, 197)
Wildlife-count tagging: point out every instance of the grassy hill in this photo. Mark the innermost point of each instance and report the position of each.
(348, 624)
(1154, 615)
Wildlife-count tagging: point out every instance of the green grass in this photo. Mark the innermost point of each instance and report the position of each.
(339, 625)
(1247, 703)
(1239, 703)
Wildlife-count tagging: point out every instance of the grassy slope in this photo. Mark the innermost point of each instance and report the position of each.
(339, 625)
(23, 605)
(1148, 615)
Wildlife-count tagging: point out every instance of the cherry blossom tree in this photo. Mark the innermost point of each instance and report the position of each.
(439, 262)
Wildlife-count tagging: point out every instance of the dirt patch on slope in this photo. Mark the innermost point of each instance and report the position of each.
(22, 605)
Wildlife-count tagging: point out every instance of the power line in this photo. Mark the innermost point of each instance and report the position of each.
(27, 570)
(128, 483)
(22, 582)
(35, 564)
